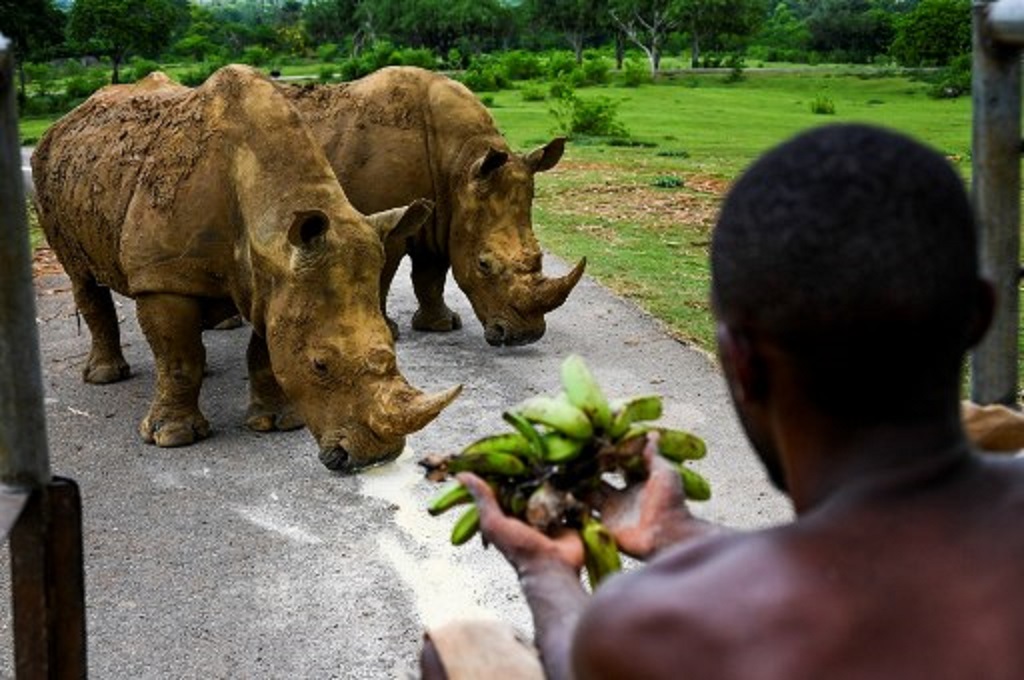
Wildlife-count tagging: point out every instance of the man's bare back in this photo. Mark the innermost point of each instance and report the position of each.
(918, 579)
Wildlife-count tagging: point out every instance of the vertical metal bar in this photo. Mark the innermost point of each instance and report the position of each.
(23, 453)
(47, 581)
(996, 192)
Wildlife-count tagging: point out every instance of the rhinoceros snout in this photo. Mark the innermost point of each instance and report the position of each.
(498, 334)
(335, 458)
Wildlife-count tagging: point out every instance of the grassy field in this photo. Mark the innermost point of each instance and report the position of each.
(642, 214)
(649, 241)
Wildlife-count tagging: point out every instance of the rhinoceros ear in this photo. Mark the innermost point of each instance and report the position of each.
(308, 226)
(401, 222)
(491, 161)
(547, 156)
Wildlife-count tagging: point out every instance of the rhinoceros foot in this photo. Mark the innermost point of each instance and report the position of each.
(262, 419)
(104, 372)
(437, 322)
(165, 432)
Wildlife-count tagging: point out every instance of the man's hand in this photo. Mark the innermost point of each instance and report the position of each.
(522, 545)
(650, 515)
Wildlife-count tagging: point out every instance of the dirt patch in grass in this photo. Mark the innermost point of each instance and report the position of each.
(635, 203)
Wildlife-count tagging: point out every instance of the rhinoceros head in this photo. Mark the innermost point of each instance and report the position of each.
(494, 254)
(330, 348)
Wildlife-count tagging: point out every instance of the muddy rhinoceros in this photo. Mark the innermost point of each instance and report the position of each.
(404, 133)
(199, 202)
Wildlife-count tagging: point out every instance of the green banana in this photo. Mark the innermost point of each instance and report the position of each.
(600, 552)
(584, 392)
(506, 442)
(466, 526)
(695, 486)
(456, 494)
(559, 448)
(678, 446)
(558, 415)
(627, 412)
(528, 431)
(504, 464)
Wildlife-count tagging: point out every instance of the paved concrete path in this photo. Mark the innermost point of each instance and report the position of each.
(242, 557)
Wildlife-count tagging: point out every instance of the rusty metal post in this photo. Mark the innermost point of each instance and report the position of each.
(996, 143)
(43, 515)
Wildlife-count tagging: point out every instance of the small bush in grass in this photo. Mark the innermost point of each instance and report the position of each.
(487, 100)
(596, 117)
(327, 73)
(635, 73)
(823, 106)
(667, 182)
(198, 74)
(256, 55)
(521, 65)
(327, 52)
(533, 92)
(954, 80)
(85, 83)
(141, 68)
(595, 71)
(673, 153)
(418, 56)
(561, 64)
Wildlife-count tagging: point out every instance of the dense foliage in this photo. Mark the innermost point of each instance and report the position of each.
(491, 42)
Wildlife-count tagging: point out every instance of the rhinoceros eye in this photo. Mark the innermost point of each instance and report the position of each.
(320, 365)
(485, 265)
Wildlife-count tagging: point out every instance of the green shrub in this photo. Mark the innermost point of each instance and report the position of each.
(486, 75)
(83, 84)
(823, 106)
(256, 55)
(635, 73)
(953, 80)
(521, 65)
(597, 117)
(667, 182)
(487, 100)
(327, 73)
(42, 77)
(674, 153)
(533, 92)
(595, 71)
(327, 52)
(140, 68)
(419, 56)
(198, 74)
(560, 63)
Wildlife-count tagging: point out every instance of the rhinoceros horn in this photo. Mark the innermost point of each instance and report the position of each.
(551, 293)
(411, 411)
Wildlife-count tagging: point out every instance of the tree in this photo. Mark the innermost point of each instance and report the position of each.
(121, 28)
(933, 33)
(784, 36)
(705, 19)
(852, 30)
(577, 20)
(647, 23)
(35, 27)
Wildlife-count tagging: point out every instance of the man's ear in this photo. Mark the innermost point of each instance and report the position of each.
(742, 366)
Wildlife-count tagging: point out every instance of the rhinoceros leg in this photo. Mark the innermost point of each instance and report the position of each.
(269, 408)
(173, 327)
(428, 275)
(106, 363)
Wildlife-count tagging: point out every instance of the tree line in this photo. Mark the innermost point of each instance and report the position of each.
(452, 33)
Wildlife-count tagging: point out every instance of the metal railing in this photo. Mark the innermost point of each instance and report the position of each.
(998, 29)
(41, 515)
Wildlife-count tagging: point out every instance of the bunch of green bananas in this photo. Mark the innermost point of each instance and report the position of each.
(555, 458)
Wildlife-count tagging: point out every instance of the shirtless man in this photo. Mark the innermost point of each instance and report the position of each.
(845, 285)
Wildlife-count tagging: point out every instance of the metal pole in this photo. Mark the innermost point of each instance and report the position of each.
(996, 193)
(23, 452)
(44, 515)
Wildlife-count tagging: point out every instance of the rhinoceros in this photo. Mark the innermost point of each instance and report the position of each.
(404, 133)
(200, 202)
